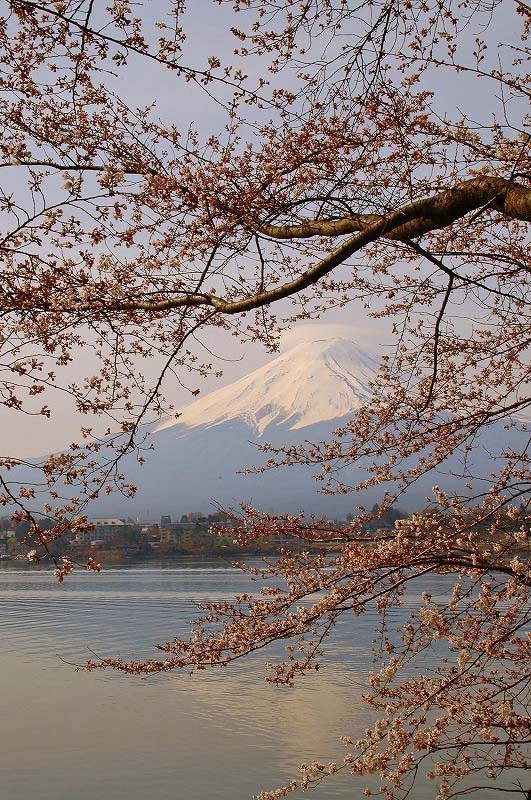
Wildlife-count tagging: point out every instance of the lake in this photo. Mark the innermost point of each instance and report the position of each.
(222, 735)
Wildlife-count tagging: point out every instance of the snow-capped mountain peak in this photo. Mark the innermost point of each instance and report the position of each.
(313, 382)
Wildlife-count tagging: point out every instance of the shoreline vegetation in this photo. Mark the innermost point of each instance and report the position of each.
(117, 541)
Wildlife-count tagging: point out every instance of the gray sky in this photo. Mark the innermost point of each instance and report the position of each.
(26, 436)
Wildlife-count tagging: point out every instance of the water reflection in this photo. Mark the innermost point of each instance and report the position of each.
(223, 735)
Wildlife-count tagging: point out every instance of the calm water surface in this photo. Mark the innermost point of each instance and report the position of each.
(215, 736)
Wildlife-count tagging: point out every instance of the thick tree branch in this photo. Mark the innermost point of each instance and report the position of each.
(440, 211)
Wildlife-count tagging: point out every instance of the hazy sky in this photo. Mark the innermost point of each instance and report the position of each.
(180, 102)
(24, 436)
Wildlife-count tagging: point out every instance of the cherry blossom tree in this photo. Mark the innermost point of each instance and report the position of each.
(333, 169)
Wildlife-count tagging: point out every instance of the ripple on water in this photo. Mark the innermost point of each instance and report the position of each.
(221, 735)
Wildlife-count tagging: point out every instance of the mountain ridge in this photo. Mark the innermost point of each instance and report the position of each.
(312, 382)
(199, 459)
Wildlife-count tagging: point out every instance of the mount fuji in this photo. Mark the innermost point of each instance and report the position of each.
(198, 458)
(312, 383)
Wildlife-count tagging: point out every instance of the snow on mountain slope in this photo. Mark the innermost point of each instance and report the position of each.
(313, 382)
(302, 395)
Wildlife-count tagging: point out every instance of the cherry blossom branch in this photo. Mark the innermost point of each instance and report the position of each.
(442, 210)
(412, 220)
